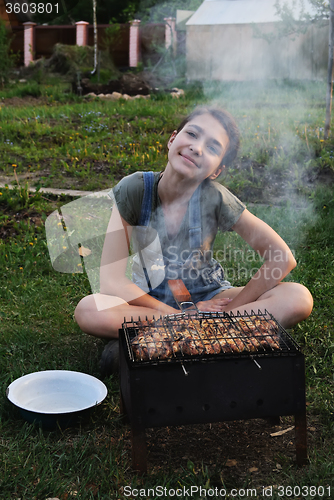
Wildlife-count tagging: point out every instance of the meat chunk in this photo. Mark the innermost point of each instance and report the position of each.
(195, 336)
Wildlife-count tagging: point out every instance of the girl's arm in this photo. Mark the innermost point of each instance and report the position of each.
(113, 280)
(278, 258)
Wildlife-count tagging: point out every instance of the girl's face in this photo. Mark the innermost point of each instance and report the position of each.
(197, 150)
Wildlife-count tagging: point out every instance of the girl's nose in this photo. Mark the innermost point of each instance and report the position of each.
(196, 148)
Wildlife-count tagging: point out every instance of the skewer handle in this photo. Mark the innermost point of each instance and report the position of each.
(179, 291)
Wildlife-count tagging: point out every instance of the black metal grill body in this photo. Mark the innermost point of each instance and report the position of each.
(161, 395)
(210, 390)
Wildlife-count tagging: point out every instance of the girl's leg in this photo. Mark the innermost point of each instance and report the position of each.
(288, 302)
(102, 315)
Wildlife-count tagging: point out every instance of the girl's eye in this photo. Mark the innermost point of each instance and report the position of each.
(192, 134)
(213, 150)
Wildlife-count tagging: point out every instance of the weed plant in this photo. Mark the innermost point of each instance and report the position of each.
(93, 144)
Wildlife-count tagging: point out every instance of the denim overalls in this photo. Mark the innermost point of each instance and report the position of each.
(203, 277)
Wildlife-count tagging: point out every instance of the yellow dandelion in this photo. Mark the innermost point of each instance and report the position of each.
(31, 244)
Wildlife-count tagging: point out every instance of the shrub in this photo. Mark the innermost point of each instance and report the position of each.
(70, 59)
(7, 58)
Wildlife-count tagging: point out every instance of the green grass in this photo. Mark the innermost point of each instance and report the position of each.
(93, 459)
(70, 142)
(65, 141)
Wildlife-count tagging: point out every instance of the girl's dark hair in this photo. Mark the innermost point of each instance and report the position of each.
(227, 121)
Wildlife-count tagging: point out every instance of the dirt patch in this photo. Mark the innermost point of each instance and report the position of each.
(24, 101)
(237, 452)
(9, 228)
(132, 84)
(129, 83)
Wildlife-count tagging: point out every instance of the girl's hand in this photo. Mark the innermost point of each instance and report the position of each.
(213, 305)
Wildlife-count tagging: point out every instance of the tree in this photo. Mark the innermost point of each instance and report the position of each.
(115, 11)
(329, 72)
(7, 58)
(95, 36)
(156, 10)
(71, 11)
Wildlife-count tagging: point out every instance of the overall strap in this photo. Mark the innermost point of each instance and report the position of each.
(146, 207)
(195, 226)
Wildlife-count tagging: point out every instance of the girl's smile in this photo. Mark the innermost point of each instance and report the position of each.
(188, 159)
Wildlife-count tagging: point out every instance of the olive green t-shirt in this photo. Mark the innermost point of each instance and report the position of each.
(220, 209)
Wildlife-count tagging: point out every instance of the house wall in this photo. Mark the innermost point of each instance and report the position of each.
(233, 53)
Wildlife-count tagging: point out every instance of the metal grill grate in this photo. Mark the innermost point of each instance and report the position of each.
(206, 337)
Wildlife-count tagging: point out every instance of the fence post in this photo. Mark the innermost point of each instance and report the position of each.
(134, 43)
(29, 42)
(81, 33)
(170, 34)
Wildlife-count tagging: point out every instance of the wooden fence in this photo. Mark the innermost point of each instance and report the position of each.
(151, 36)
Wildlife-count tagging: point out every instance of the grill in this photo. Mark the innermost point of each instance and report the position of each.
(204, 336)
(209, 367)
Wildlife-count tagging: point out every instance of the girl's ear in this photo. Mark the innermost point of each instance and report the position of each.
(217, 173)
(171, 139)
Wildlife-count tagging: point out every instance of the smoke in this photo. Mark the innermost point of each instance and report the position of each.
(270, 88)
(274, 172)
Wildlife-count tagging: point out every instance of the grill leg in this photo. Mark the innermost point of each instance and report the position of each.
(139, 455)
(301, 438)
(122, 409)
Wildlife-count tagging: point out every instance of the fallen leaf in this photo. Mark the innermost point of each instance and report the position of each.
(84, 252)
(231, 462)
(253, 469)
(280, 433)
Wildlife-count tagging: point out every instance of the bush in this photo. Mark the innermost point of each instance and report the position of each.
(7, 58)
(70, 59)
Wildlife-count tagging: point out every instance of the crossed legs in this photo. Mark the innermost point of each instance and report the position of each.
(102, 315)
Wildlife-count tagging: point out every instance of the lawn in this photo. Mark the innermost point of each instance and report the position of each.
(284, 174)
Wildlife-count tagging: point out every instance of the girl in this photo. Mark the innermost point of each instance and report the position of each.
(175, 215)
